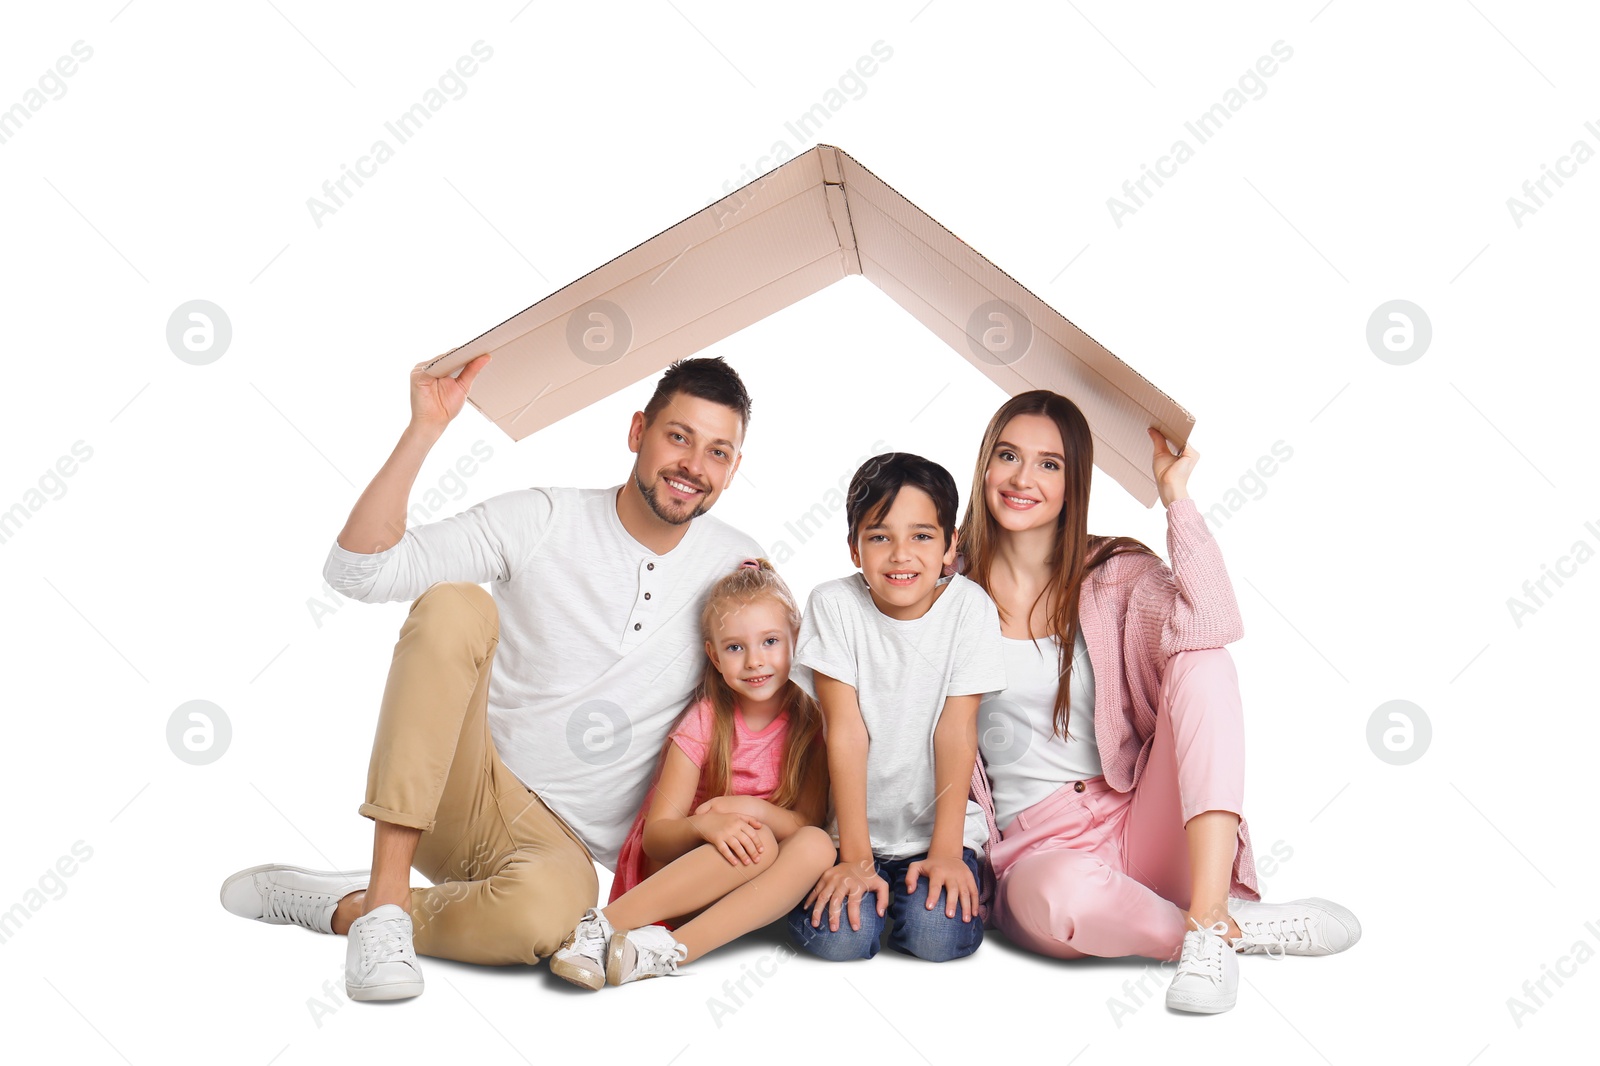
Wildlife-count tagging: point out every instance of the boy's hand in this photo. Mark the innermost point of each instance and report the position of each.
(949, 874)
(734, 835)
(842, 886)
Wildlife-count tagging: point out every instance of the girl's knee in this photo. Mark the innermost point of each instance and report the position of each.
(813, 846)
(767, 842)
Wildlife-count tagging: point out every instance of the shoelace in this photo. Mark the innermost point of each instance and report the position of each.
(1202, 952)
(651, 961)
(384, 941)
(302, 908)
(589, 939)
(1267, 933)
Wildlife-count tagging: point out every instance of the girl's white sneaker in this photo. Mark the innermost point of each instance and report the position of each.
(1300, 927)
(649, 951)
(1207, 978)
(581, 957)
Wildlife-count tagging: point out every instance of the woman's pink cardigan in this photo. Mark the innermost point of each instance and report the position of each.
(1136, 613)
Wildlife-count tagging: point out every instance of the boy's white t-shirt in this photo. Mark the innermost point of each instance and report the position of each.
(902, 672)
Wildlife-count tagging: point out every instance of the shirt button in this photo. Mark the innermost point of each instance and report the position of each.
(1080, 783)
(647, 595)
(649, 566)
(1077, 786)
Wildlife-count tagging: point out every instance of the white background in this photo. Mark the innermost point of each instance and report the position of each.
(182, 560)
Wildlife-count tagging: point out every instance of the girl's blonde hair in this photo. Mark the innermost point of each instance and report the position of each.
(803, 784)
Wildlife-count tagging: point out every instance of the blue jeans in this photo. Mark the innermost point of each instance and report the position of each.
(914, 929)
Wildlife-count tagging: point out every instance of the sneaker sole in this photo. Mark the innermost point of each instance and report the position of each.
(1202, 1005)
(244, 875)
(614, 968)
(380, 993)
(614, 960)
(591, 979)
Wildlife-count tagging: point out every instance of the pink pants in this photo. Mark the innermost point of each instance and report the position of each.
(1089, 870)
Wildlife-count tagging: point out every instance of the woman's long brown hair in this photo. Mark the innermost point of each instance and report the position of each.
(1076, 552)
(803, 785)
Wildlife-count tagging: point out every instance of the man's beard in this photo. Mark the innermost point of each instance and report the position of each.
(675, 519)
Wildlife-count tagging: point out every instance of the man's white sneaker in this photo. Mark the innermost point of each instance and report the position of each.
(289, 895)
(1299, 927)
(1207, 978)
(649, 951)
(379, 959)
(581, 958)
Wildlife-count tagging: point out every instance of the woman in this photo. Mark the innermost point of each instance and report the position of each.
(1113, 762)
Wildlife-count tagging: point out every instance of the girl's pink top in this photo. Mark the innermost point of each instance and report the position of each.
(755, 769)
(1136, 613)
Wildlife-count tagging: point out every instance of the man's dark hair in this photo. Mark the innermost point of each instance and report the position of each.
(879, 481)
(707, 378)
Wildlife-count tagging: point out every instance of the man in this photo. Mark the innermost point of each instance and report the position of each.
(504, 786)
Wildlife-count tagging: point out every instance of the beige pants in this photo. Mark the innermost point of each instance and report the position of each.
(510, 879)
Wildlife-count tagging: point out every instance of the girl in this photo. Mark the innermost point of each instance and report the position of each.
(1116, 752)
(728, 839)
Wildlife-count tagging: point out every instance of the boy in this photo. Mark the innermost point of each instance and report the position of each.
(898, 656)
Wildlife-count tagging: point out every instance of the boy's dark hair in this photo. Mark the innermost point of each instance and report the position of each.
(708, 378)
(879, 481)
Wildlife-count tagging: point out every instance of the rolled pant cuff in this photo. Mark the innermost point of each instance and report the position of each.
(1190, 810)
(384, 814)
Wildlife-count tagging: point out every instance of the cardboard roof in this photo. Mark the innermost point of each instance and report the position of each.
(797, 229)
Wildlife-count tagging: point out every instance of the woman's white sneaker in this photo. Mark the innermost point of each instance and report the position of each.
(290, 895)
(1207, 978)
(581, 958)
(649, 951)
(380, 961)
(1300, 927)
